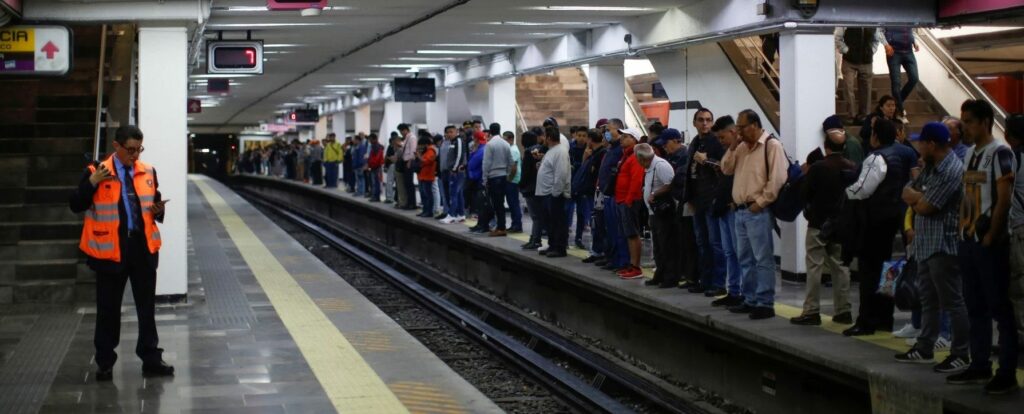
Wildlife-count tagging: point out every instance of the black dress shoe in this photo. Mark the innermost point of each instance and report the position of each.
(531, 246)
(515, 230)
(591, 259)
(806, 320)
(609, 266)
(652, 282)
(762, 312)
(104, 375)
(560, 253)
(843, 318)
(687, 284)
(157, 369)
(859, 330)
(600, 262)
(728, 301)
(579, 245)
(741, 308)
(712, 293)
(695, 288)
(667, 284)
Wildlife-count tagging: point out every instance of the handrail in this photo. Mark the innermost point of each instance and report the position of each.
(760, 61)
(520, 119)
(961, 76)
(99, 94)
(633, 105)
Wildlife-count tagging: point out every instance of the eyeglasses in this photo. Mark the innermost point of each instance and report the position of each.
(133, 151)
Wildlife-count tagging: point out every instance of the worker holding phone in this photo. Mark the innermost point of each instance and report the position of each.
(122, 205)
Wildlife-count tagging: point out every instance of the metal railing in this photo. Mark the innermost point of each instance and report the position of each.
(523, 127)
(99, 95)
(759, 64)
(960, 76)
(634, 109)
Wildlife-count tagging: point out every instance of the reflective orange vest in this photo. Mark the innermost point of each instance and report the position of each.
(100, 232)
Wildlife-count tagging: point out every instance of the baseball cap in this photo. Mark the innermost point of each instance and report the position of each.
(832, 122)
(666, 135)
(633, 132)
(601, 122)
(934, 132)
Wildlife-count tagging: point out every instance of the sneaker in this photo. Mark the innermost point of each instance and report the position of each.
(631, 273)
(912, 341)
(907, 331)
(579, 245)
(1001, 384)
(969, 377)
(591, 259)
(941, 344)
(741, 308)
(915, 356)
(953, 364)
(714, 293)
(441, 216)
(531, 246)
(448, 220)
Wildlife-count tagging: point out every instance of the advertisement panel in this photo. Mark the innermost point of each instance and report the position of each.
(954, 8)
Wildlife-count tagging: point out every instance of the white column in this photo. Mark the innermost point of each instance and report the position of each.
(437, 111)
(477, 100)
(501, 98)
(607, 85)
(340, 123)
(163, 89)
(392, 117)
(362, 119)
(808, 88)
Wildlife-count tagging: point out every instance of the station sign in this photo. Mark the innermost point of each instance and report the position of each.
(35, 50)
(234, 56)
(195, 106)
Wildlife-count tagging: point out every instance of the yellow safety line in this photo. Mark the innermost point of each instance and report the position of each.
(348, 380)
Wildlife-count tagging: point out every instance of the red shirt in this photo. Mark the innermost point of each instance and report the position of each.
(376, 156)
(629, 183)
(428, 162)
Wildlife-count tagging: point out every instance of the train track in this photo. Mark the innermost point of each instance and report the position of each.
(584, 380)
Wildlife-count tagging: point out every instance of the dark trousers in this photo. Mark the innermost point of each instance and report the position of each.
(584, 211)
(443, 188)
(496, 194)
(616, 251)
(316, 172)
(690, 256)
(986, 276)
(536, 206)
(875, 310)
(331, 172)
(410, 189)
(427, 197)
(555, 219)
(110, 290)
(599, 235)
(667, 233)
(515, 208)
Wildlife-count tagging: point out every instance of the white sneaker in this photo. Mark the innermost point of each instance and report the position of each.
(461, 219)
(911, 341)
(941, 344)
(448, 220)
(907, 331)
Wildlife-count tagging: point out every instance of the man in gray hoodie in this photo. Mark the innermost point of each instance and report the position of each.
(554, 179)
(497, 161)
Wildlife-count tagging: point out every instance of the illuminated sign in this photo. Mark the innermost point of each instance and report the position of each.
(35, 50)
(304, 115)
(234, 56)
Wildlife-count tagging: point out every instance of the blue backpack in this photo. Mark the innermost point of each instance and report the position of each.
(788, 206)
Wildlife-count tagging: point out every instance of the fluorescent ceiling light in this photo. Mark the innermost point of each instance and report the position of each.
(520, 23)
(449, 52)
(406, 65)
(219, 75)
(256, 9)
(247, 25)
(342, 86)
(476, 44)
(970, 30)
(426, 59)
(277, 52)
(275, 45)
(587, 8)
(373, 79)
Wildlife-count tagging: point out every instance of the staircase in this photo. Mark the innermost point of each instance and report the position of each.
(561, 94)
(46, 139)
(763, 82)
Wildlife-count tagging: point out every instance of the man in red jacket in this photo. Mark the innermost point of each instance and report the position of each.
(629, 191)
(374, 166)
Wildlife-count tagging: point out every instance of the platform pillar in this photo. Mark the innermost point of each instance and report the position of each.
(807, 96)
(339, 123)
(162, 95)
(362, 120)
(437, 111)
(501, 98)
(607, 87)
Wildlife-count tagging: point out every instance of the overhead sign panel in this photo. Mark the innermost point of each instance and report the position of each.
(35, 50)
(234, 56)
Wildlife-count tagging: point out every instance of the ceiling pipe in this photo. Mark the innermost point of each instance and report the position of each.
(350, 52)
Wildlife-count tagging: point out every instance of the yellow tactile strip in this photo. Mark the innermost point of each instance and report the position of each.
(426, 398)
(347, 379)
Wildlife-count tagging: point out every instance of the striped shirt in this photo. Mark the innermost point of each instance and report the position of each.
(941, 185)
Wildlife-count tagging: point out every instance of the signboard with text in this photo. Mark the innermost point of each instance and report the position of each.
(35, 50)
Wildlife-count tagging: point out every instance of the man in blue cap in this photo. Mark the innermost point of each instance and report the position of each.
(935, 196)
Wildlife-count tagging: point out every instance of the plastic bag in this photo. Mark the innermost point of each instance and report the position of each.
(890, 276)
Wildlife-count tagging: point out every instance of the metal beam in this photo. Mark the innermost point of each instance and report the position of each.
(120, 11)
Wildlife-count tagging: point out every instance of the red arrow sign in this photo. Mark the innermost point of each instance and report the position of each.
(50, 49)
(195, 106)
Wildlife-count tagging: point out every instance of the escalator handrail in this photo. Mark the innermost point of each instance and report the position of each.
(960, 75)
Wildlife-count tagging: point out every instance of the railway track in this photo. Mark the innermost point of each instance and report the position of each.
(584, 380)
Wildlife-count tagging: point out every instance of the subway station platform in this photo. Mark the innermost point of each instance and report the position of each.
(267, 328)
(759, 363)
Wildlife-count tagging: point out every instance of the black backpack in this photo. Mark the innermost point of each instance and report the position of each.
(789, 204)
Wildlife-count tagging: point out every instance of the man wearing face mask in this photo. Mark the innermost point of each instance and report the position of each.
(616, 257)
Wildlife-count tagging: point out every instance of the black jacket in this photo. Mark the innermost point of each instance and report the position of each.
(81, 200)
(703, 178)
(824, 188)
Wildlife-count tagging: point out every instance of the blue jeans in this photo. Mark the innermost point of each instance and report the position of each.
(584, 211)
(570, 209)
(360, 182)
(709, 246)
(727, 228)
(536, 207)
(375, 184)
(456, 200)
(757, 257)
(514, 206)
(616, 251)
(909, 63)
(427, 197)
(331, 174)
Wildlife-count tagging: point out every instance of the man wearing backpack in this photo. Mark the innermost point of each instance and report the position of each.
(822, 190)
(759, 166)
(880, 186)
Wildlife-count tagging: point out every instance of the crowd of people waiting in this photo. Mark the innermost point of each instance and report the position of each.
(949, 192)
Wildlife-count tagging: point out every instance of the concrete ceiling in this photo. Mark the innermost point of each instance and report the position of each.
(292, 52)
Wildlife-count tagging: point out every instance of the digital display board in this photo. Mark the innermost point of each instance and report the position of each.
(234, 56)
